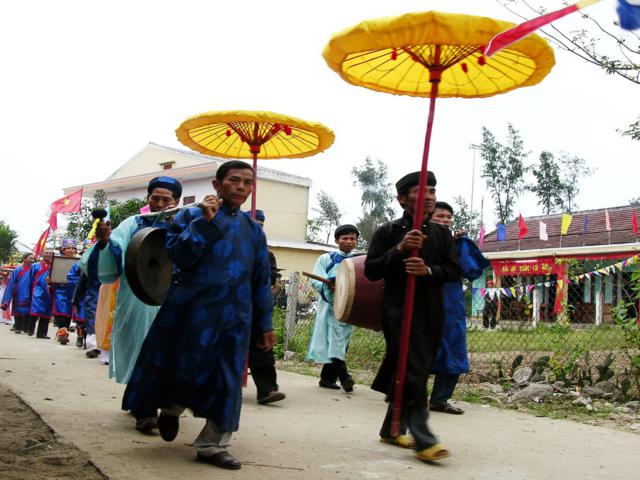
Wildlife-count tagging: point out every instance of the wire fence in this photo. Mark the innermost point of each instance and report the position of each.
(578, 327)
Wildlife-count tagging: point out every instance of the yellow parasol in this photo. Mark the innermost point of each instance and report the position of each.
(433, 54)
(256, 135)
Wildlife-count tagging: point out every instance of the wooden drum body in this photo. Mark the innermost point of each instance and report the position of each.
(357, 300)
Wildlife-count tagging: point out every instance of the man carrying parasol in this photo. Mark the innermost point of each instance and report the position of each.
(437, 263)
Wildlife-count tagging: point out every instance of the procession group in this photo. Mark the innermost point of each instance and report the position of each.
(192, 351)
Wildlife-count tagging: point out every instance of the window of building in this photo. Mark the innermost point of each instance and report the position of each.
(167, 165)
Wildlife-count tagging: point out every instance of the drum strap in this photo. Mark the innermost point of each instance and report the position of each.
(336, 258)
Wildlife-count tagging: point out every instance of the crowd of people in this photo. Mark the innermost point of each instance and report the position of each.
(192, 352)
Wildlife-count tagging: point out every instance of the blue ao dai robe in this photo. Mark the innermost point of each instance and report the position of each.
(132, 318)
(18, 292)
(452, 355)
(196, 350)
(41, 299)
(330, 336)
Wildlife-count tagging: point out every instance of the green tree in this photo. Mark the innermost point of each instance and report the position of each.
(119, 211)
(313, 231)
(79, 223)
(548, 187)
(503, 170)
(634, 201)
(8, 239)
(376, 198)
(329, 214)
(464, 218)
(573, 170)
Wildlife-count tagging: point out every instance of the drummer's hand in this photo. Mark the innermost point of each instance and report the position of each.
(332, 285)
(268, 341)
(103, 233)
(411, 241)
(415, 266)
(210, 206)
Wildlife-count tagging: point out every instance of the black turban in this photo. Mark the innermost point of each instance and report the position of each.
(411, 180)
(168, 183)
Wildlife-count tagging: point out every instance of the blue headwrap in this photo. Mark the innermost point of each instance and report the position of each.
(168, 183)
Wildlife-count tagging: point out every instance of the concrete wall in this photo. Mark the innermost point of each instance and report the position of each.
(294, 260)
(150, 159)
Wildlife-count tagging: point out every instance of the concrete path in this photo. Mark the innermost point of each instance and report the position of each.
(313, 434)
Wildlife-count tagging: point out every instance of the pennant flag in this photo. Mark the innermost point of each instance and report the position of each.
(523, 230)
(145, 209)
(634, 222)
(511, 36)
(566, 222)
(483, 292)
(513, 291)
(606, 220)
(42, 241)
(530, 288)
(68, 204)
(53, 221)
(585, 224)
(501, 232)
(543, 232)
(481, 239)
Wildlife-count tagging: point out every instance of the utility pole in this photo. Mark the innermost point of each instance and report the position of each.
(473, 147)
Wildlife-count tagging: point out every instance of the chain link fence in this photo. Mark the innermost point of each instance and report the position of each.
(580, 326)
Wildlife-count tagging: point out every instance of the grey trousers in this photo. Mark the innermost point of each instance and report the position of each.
(211, 439)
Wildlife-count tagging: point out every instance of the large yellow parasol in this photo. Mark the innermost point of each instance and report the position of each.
(433, 54)
(253, 134)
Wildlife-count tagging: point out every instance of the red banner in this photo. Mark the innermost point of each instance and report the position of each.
(517, 268)
(68, 204)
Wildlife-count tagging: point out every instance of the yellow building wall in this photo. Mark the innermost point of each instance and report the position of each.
(294, 260)
(285, 207)
(150, 159)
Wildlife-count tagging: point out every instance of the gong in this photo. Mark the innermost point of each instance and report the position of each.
(147, 265)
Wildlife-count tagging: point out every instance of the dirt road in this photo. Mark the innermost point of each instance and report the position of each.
(313, 434)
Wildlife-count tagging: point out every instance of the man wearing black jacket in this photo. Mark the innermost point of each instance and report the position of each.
(389, 258)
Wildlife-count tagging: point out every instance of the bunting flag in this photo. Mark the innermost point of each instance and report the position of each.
(508, 37)
(481, 236)
(501, 232)
(68, 204)
(585, 224)
(523, 230)
(634, 222)
(543, 232)
(42, 241)
(566, 222)
(145, 209)
(606, 220)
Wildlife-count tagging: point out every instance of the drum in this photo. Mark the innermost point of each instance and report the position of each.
(357, 300)
(60, 267)
(147, 265)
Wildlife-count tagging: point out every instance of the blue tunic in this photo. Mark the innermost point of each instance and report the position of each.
(330, 337)
(195, 352)
(452, 355)
(41, 299)
(18, 292)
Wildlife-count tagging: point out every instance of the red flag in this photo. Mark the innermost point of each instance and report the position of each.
(634, 222)
(68, 204)
(523, 228)
(42, 241)
(53, 221)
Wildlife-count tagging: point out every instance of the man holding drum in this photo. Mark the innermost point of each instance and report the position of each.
(437, 263)
(132, 318)
(330, 337)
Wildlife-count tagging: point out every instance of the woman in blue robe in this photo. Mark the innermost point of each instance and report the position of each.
(18, 294)
(41, 299)
(196, 350)
(452, 359)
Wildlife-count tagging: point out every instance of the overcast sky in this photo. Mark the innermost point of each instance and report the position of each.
(86, 85)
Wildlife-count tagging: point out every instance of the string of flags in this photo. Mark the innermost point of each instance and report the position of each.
(519, 291)
(567, 220)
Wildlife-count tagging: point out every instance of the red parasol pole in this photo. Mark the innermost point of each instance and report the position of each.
(255, 150)
(405, 334)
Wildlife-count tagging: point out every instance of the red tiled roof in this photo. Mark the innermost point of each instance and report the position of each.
(596, 232)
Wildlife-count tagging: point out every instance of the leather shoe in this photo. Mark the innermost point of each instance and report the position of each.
(221, 459)
(95, 353)
(271, 397)
(146, 424)
(44, 337)
(168, 426)
(446, 407)
(347, 384)
(330, 385)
